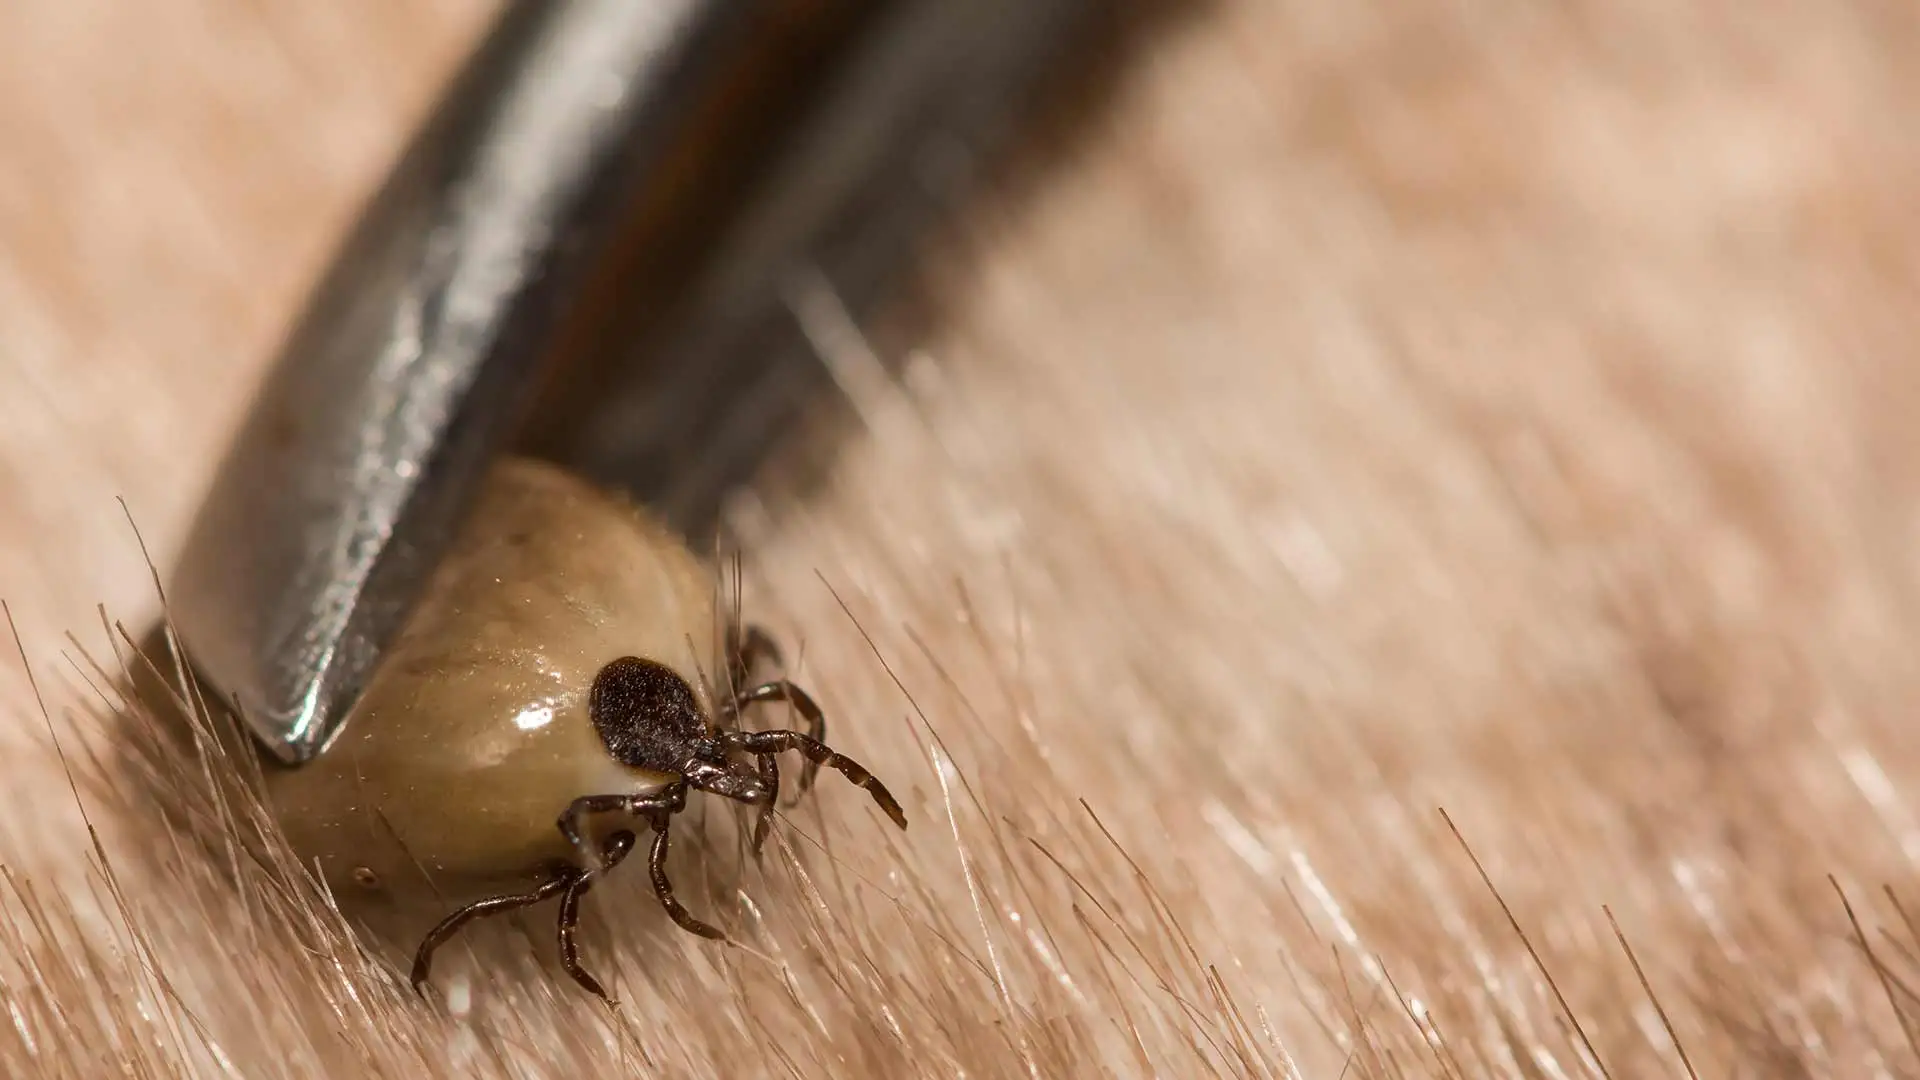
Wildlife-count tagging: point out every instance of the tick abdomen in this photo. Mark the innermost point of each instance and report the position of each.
(449, 775)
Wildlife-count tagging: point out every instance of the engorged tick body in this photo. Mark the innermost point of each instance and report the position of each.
(563, 684)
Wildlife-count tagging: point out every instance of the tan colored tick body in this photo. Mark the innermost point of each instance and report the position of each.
(473, 734)
(552, 695)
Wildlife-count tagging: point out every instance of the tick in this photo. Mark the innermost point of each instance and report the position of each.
(564, 683)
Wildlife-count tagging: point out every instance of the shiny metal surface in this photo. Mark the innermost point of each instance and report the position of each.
(896, 134)
(590, 252)
(360, 453)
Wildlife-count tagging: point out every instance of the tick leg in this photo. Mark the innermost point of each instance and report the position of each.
(573, 821)
(818, 754)
(752, 646)
(749, 647)
(617, 847)
(662, 888)
(803, 703)
(770, 775)
(492, 905)
(671, 800)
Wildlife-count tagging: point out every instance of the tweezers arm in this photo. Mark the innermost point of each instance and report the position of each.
(409, 366)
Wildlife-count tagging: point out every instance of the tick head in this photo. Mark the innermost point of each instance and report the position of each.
(710, 771)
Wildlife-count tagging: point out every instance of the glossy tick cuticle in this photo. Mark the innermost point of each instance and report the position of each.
(500, 755)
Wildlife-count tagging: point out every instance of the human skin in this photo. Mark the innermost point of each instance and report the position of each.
(1353, 417)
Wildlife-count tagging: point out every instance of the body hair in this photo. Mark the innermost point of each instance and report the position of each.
(1391, 561)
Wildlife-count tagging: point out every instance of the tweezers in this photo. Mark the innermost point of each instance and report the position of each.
(581, 254)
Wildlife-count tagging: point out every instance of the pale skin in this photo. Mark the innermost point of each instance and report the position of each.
(554, 691)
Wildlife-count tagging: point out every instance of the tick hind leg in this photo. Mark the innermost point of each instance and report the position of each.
(663, 888)
(492, 905)
(569, 919)
(567, 883)
(670, 801)
(657, 810)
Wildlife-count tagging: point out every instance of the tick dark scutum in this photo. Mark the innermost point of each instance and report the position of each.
(646, 714)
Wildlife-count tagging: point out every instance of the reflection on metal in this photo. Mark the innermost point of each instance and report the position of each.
(584, 253)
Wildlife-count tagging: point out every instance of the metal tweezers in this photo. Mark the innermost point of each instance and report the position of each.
(582, 254)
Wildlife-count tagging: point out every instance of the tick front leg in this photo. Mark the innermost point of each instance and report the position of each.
(818, 754)
(802, 702)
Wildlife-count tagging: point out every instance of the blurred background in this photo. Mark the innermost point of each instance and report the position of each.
(1309, 419)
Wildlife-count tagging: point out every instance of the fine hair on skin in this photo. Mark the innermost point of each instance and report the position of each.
(1390, 554)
